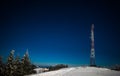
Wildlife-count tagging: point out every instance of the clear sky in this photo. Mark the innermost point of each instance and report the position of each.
(59, 31)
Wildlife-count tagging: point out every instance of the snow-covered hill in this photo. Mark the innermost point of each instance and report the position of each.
(80, 71)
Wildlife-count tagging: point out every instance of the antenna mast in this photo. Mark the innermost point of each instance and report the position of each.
(92, 54)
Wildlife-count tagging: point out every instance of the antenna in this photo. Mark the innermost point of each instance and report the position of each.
(92, 53)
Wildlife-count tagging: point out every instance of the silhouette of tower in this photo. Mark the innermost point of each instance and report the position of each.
(92, 53)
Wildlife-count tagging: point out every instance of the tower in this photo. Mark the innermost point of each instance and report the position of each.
(92, 53)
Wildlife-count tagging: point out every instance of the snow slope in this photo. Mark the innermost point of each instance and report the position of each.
(80, 71)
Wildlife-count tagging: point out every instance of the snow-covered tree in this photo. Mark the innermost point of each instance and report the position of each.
(17, 66)
(10, 64)
(26, 64)
(2, 68)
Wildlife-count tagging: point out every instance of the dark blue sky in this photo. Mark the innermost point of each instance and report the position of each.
(58, 31)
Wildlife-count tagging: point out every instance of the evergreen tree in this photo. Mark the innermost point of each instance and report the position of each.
(10, 64)
(17, 67)
(2, 69)
(27, 66)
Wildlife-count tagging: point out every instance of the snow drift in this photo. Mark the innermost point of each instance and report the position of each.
(80, 71)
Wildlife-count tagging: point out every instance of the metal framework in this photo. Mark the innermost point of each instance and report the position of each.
(92, 54)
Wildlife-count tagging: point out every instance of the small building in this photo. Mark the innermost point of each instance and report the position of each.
(40, 70)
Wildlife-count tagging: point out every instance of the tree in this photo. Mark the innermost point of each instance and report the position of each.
(17, 67)
(58, 66)
(10, 64)
(2, 68)
(26, 64)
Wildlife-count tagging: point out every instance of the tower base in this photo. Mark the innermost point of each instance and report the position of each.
(93, 65)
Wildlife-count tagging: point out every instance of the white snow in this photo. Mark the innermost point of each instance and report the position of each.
(80, 71)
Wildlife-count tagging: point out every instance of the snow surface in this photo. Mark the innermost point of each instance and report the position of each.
(80, 71)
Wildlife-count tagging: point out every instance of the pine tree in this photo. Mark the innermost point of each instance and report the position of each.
(17, 67)
(2, 69)
(10, 64)
(27, 67)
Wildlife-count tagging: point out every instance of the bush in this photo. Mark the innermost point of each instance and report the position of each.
(116, 67)
(56, 67)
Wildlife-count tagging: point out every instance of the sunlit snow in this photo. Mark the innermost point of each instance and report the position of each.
(80, 71)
